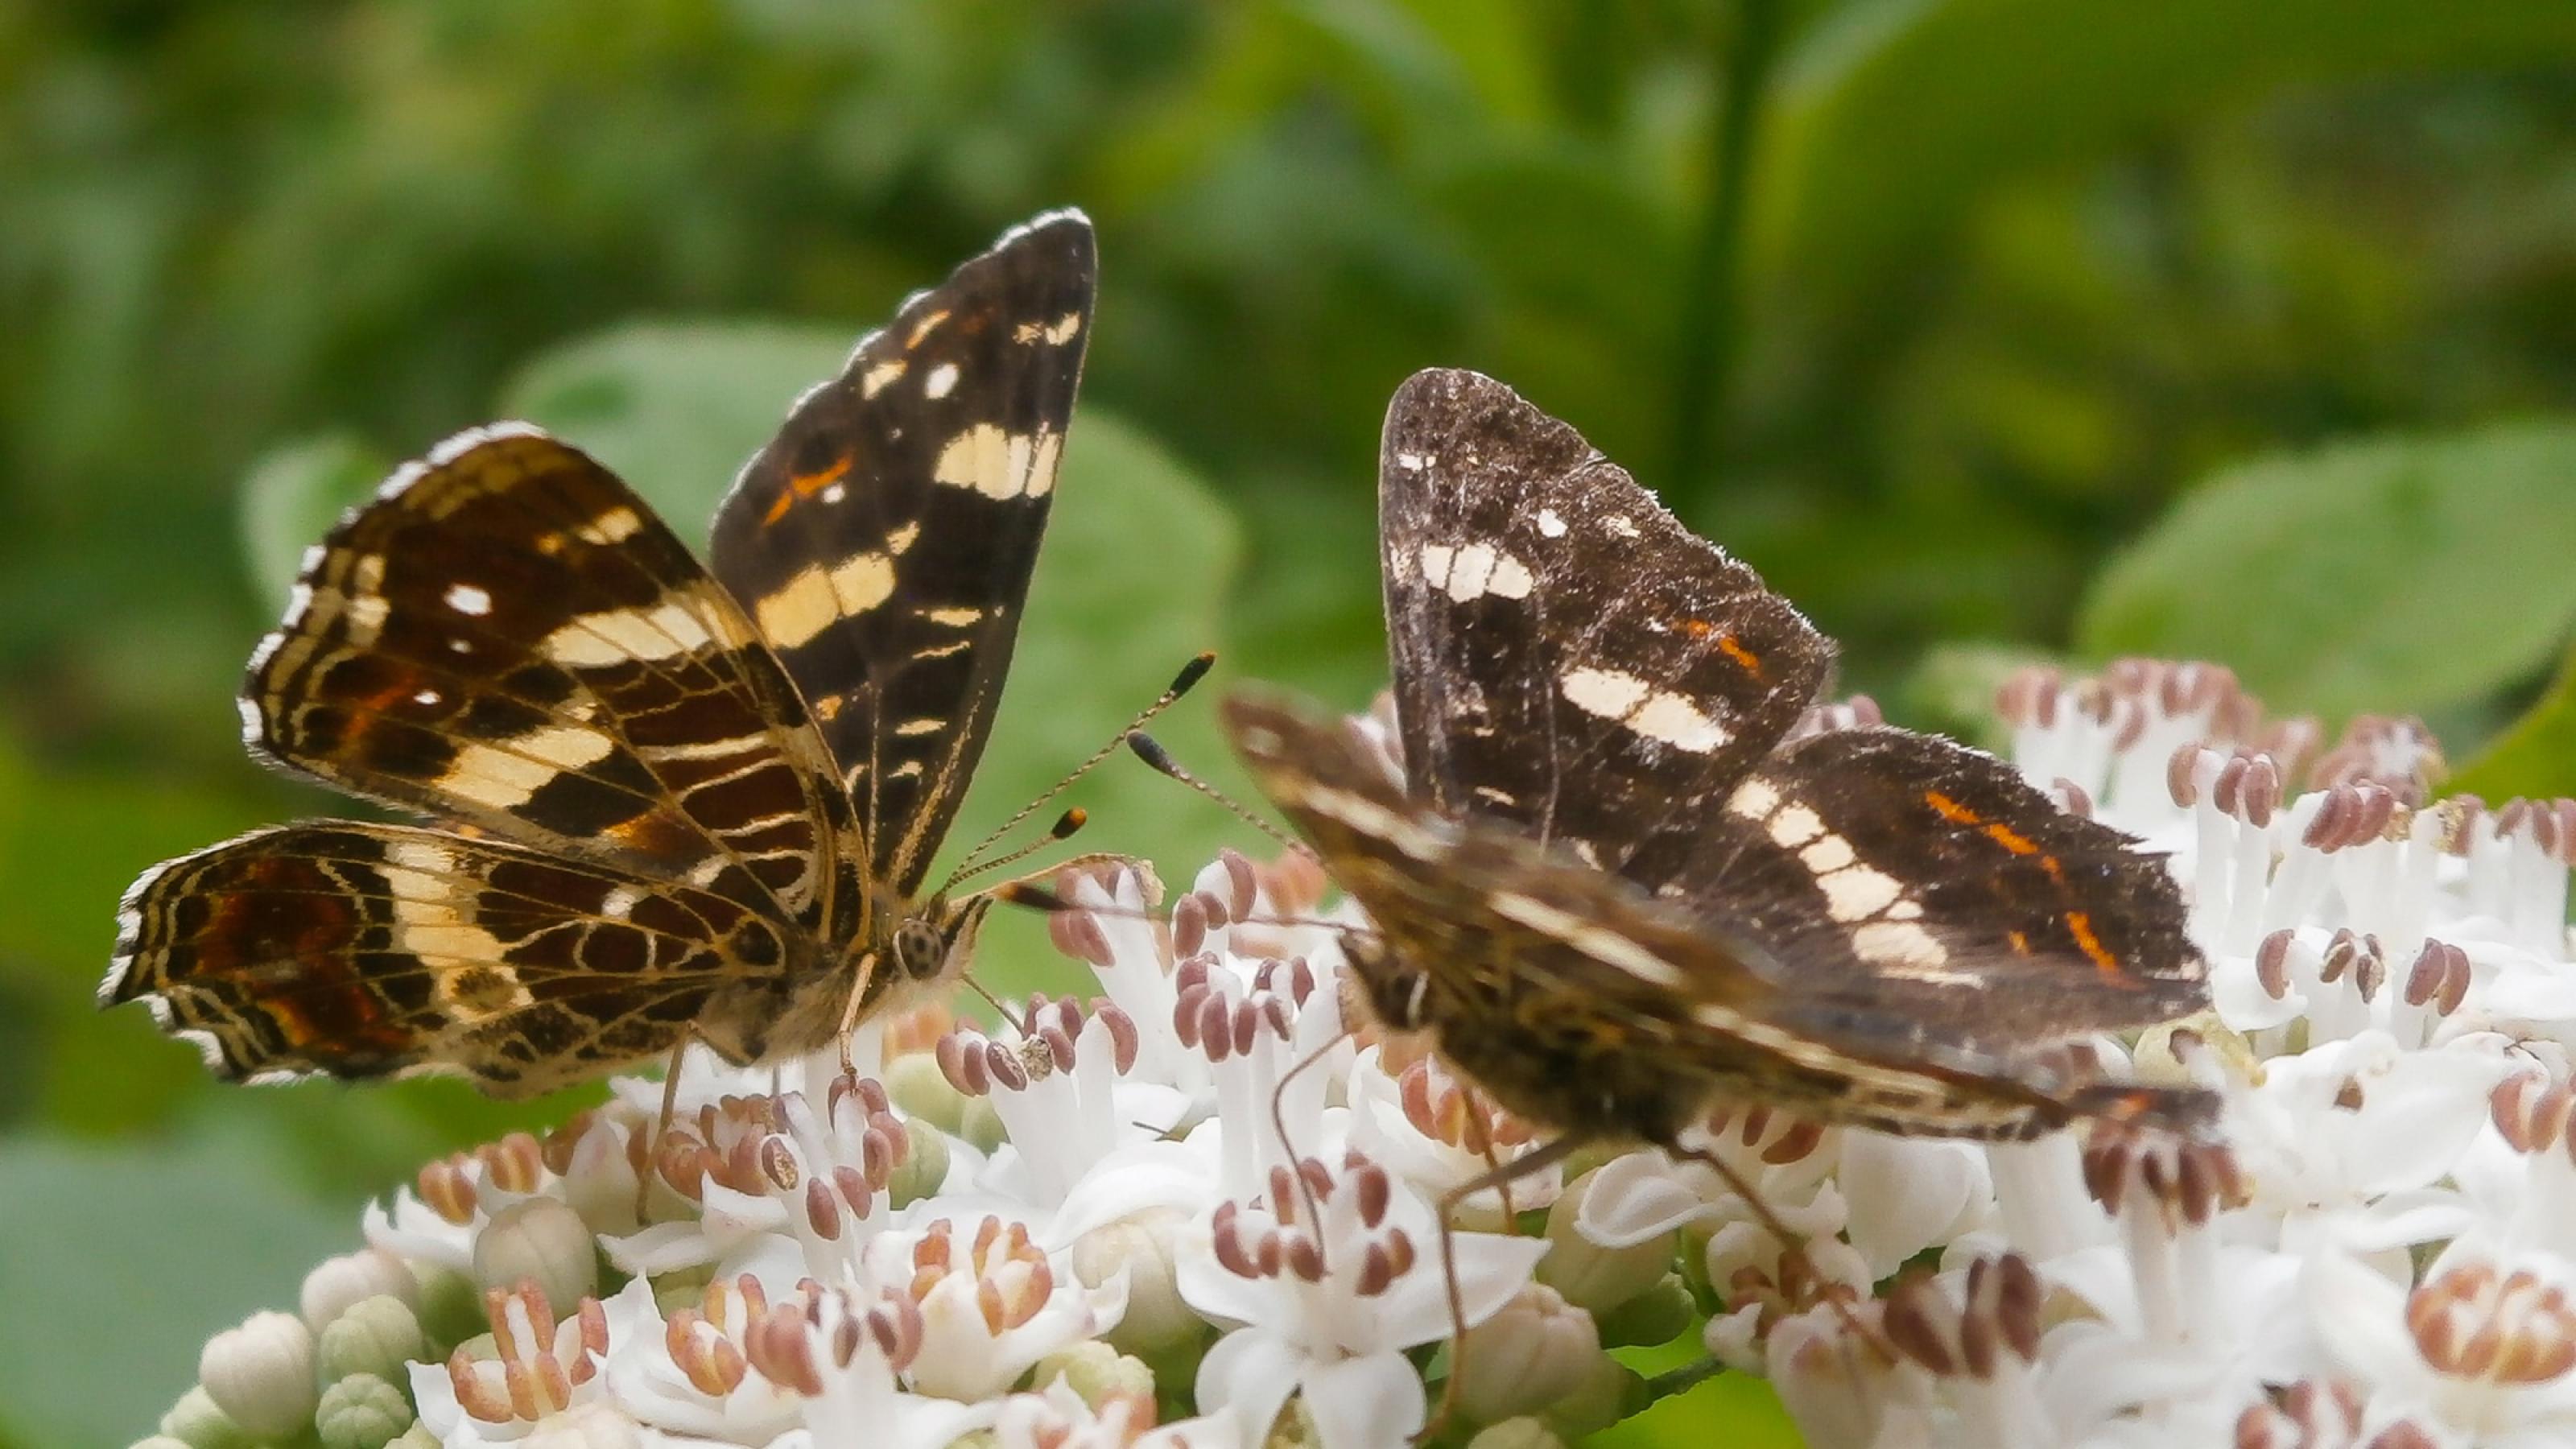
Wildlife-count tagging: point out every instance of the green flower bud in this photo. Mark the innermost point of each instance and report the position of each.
(261, 1375)
(1537, 1351)
(922, 1091)
(416, 1437)
(451, 1307)
(1522, 1433)
(924, 1167)
(1610, 1391)
(542, 1240)
(362, 1411)
(1590, 1276)
(196, 1422)
(339, 1282)
(1658, 1315)
(981, 1128)
(377, 1336)
(1096, 1373)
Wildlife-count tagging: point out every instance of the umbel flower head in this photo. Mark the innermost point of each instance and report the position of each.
(1106, 1221)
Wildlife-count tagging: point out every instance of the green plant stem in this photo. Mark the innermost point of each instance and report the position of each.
(1711, 295)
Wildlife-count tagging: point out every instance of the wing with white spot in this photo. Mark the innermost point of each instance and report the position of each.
(1567, 656)
(507, 637)
(1920, 879)
(883, 542)
(377, 950)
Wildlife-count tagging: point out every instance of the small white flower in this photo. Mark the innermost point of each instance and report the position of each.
(261, 1374)
(1327, 1307)
(992, 1303)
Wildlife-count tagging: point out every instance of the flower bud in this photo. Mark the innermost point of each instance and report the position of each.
(362, 1411)
(1610, 1391)
(1658, 1315)
(261, 1375)
(924, 1168)
(1096, 1373)
(377, 1336)
(1523, 1433)
(450, 1306)
(981, 1127)
(540, 1239)
(1538, 1350)
(1593, 1277)
(417, 1437)
(197, 1423)
(1157, 1320)
(922, 1091)
(350, 1278)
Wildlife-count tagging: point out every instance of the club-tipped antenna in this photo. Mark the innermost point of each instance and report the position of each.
(972, 864)
(1160, 760)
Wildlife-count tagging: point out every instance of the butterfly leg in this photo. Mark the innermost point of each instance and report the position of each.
(1495, 1178)
(1793, 1245)
(662, 1124)
(850, 1012)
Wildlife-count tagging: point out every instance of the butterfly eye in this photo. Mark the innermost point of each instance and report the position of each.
(919, 949)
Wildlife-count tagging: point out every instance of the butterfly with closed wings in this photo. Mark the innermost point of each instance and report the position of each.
(1616, 884)
(671, 801)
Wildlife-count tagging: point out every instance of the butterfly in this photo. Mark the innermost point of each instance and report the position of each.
(669, 801)
(1616, 882)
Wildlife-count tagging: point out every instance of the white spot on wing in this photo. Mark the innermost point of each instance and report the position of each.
(940, 382)
(467, 599)
(1794, 826)
(1858, 893)
(1899, 944)
(1599, 942)
(1551, 524)
(999, 464)
(1066, 328)
(1828, 853)
(1657, 714)
(1754, 799)
(874, 380)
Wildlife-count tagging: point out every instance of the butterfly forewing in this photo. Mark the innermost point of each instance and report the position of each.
(655, 836)
(509, 638)
(1567, 656)
(375, 950)
(883, 542)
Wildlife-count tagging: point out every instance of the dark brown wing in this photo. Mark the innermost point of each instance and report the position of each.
(1568, 657)
(509, 638)
(1930, 882)
(883, 542)
(379, 950)
(1581, 1003)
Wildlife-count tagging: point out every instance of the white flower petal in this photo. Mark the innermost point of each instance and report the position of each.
(1373, 1402)
(1635, 1197)
(1249, 1375)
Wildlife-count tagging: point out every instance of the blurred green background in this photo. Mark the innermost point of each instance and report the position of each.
(1986, 328)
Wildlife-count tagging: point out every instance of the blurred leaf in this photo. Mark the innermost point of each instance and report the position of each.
(2396, 575)
(2535, 756)
(293, 496)
(126, 1259)
(1893, 114)
(676, 407)
(1130, 583)
(1737, 1410)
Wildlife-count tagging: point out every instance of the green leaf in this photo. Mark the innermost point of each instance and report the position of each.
(676, 407)
(1952, 690)
(292, 497)
(125, 1259)
(2535, 756)
(1130, 583)
(1892, 116)
(2403, 574)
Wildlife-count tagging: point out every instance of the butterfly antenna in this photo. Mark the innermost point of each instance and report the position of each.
(1029, 895)
(1151, 751)
(1191, 673)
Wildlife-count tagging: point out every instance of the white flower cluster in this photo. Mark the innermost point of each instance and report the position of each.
(1110, 1223)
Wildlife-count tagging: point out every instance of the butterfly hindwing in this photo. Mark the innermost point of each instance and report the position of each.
(883, 542)
(509, 638)
(1932, 881)
(377, 950)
